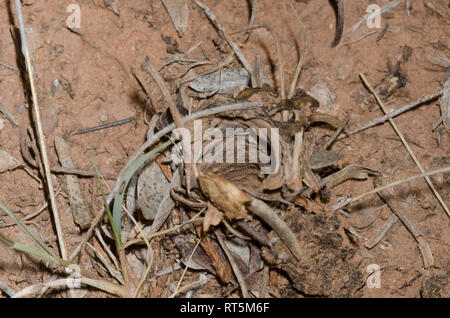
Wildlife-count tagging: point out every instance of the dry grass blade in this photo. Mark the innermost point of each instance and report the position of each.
(405, 143)
(381, 232)
(427, 256)
(298, 69)
(392, 114)
(27, 55)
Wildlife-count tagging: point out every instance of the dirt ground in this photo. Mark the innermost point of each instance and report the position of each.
(404, 59)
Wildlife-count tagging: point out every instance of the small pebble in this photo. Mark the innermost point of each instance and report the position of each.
(103, 118)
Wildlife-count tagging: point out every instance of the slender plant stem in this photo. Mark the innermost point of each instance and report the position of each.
(48, 175)
(405, 143)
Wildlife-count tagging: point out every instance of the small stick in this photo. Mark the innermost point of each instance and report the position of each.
(109, 125)
(405, 143)
(252, 20)
(393, 184)
(234, 266)
(185, 269)
(114, 273)
(45, 161)
(357, 40)
(194, 219)
(298, 69)
(424, 248)
(394, 113)
(337, 132)
(8, 114)
(213, 18)
(381, 232)
(11, 67)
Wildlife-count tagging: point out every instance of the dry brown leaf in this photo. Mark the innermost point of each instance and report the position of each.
(218, 260)
(212, 217)
(225, 195)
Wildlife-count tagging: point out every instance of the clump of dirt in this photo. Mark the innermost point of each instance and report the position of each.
(330, 264)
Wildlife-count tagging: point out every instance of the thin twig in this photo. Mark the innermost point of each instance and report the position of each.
(185, 269)
(213, 18)
(48, 175)
(11, 67)
(393, 184)
(109, 125)
(252, 19)
(424, 248)
(234, 266)
(357, 40)
(8, 114)
(194, 219)
(381, 232)
(298, 69)
(421, 100)
(405, 143)
(114, 273)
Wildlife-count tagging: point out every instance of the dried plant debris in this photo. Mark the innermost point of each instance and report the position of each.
(388, 198)
(225, 195)
(445, 102)
(222, 82)
(179, 13)
(80, 212)
(8, 162)
(329, 266)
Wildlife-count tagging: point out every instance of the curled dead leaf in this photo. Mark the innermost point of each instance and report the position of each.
(226, 196)
(213, 217)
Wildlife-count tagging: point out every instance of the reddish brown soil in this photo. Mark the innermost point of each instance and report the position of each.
(97, 63)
